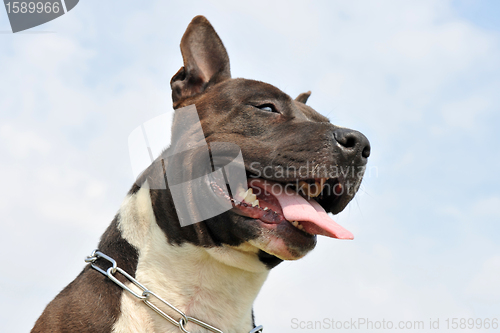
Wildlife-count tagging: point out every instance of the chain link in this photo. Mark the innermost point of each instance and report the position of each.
(147, 294)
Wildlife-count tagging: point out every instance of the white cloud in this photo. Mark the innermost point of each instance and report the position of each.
(463, 114)
(485, 285)
(21, 143)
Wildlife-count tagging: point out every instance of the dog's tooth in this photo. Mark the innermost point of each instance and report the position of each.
(295, 223)
(303, 183)
(307, 189)
(255, 203)
(241, 194)
(249, 196)
(266, 208)
(300, 226)
(304, 187)
(313, 190)
(317, 189)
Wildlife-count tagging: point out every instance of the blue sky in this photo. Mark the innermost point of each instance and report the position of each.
(419, 78)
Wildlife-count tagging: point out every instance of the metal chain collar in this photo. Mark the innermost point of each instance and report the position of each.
(147, 294)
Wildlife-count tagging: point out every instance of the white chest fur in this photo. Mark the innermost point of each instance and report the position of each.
(216, 285)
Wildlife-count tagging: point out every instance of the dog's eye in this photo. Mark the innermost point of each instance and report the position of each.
(268, 108)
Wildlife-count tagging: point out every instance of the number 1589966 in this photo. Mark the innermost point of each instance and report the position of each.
(470, 323)
(32, 7)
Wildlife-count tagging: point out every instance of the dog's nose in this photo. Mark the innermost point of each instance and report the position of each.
(352, 142)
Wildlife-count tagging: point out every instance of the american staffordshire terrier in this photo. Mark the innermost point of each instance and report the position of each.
(150, 274)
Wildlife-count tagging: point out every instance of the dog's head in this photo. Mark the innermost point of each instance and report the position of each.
(299, 166)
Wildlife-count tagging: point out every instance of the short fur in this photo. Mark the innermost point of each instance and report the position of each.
(211, 270)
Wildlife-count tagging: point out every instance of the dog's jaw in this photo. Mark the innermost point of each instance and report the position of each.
(217, 284)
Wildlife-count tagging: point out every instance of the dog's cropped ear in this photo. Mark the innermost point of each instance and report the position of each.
(205, 61)
(302, 98)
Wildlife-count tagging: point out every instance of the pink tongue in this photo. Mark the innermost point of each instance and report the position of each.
(309, 213)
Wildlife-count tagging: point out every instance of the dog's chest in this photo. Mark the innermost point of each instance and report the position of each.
(203, 284)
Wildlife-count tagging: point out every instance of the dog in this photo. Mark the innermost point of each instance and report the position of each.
(211, 271)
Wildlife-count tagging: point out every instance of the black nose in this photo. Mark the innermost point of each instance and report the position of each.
(353, 143)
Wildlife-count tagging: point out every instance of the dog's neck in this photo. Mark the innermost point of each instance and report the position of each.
(217, 285)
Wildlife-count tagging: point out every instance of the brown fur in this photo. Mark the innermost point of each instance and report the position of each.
(270, 128)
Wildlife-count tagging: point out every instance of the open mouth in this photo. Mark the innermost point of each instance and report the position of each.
(294, 203)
